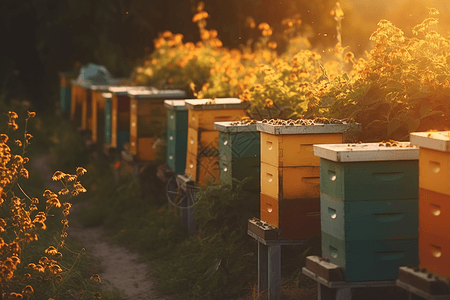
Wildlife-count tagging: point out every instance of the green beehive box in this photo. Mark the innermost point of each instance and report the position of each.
(177, 115)
(369, 220)
(241, 168)
(123, 137)
(370, 260)
(368, 171)
(108, 114)
(176, 150)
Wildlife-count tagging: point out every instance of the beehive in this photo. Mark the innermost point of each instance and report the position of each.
(203, 139)
(367, 260)
(434, 197)
(107, 118)
(94, 115)
(148, 119)
(177, 125)
(66, 90)
(120, 114)
(369, 208)
(239, 153)
(80, 94)
(290, 172)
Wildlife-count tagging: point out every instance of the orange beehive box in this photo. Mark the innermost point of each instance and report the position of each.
(205, 142)
(204, 112)
(80, 95)
(434, 170)
(294, 218)
(293, 150)
(148, 119)
(202, 169)
(434, 213)
(290, 182)
(434, 160)
(434, 253)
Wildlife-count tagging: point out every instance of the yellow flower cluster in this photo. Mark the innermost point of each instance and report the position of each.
(21, 222)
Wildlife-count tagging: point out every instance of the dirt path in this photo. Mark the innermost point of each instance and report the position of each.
(117, 265)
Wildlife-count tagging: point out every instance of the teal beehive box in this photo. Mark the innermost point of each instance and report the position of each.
(371, 259)
(65, 92)
(108, 114)
(361, 172)
(239, 153)
(369, 208)
(369, 220)
(177, 128)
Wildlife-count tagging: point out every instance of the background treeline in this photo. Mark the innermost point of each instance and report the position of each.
(42, 37)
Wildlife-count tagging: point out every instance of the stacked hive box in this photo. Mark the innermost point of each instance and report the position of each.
(434, 201)
(147, 120)
(290, 176)
(369, 208)
(65, 90)
(239, 153)
(177, 124)
(203, 141)
(80, 94)
(119, 114)
(107, 125)
(93, 115)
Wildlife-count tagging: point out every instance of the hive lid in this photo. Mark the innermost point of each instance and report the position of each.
(175, 105)
(123, 90)
(306, 129)
(84, 84)
(107, 96)
(233, 127)
(366, 152)
(142, 94)
(219, 103)
(439, 140)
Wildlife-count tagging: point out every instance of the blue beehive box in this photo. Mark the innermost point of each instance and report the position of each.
(177, 127)
(369, 208)
(239, 153)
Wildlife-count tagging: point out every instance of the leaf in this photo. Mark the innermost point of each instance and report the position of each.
(395, 86)
(413, 124)
(393, 125)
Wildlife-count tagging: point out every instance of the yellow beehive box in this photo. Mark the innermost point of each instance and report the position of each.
(205, 142)
(202, 169)
(290, 182)
(292, 150)
(434, 160)
(204, 112)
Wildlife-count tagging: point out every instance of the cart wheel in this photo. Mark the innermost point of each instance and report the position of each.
(181, 200)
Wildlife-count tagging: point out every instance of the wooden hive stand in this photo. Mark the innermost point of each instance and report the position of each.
(269, 256)
(330, 280)
(421, 284)
(239, 153)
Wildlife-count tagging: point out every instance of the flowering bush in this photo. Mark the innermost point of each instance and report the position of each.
(22, 220)
(402, 86)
